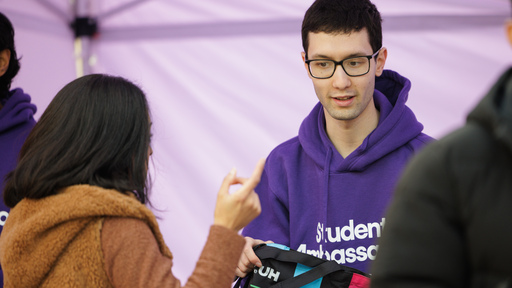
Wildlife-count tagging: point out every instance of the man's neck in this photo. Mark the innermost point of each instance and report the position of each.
(347, 135)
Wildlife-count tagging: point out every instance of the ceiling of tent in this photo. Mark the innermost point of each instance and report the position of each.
(146, 19)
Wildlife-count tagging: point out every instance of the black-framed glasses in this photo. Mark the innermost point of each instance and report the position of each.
(353, 66)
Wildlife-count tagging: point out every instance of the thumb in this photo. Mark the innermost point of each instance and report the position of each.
(228, 180)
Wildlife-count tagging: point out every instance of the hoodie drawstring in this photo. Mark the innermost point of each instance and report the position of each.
(327, 169)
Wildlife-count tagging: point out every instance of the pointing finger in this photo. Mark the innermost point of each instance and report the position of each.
(249, 184)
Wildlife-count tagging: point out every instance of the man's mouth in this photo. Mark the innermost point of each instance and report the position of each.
(343, 98)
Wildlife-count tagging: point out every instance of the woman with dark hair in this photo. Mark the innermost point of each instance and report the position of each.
(78, 217)
(16, 111)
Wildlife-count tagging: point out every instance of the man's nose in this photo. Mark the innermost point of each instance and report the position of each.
(340, 79)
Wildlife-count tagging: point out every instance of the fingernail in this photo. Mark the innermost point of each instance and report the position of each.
(233, 171)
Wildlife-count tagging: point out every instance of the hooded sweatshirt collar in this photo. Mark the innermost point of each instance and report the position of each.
(16, 110)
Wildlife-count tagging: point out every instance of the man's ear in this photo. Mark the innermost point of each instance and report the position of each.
(303, 54)
(381, 61)
(508, 30)
(5, 56)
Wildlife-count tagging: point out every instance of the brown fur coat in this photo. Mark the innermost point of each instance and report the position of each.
(56, 241)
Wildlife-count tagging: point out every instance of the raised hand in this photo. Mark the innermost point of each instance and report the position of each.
(235, 210)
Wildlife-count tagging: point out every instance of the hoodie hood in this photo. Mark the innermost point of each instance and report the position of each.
(43, 230)
(17, 110)
(397, 126)
(495, 110)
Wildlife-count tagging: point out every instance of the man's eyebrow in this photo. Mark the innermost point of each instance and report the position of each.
(321, 56)
(317, 56)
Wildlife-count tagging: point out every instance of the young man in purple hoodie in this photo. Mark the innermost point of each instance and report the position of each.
(16, 112)
(325, 191)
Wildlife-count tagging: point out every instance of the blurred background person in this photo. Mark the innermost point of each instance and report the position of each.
(449, 224)
(16, 111)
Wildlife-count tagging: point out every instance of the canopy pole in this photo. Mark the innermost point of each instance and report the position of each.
(85, 28)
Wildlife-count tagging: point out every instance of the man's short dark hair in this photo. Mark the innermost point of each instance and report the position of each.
(7, 42)
(344, 17)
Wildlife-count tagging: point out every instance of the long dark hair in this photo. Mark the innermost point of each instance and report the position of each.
(7, 42)
(343, 16)
(96, 131)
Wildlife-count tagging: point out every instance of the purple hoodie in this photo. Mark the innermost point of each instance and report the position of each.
(16, 121)
(315, 201)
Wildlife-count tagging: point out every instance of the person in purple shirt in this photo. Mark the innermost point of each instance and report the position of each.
(325, 191)
(16, 111)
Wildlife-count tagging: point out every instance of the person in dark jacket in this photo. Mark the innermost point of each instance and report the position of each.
(16, 111)
(449, 223)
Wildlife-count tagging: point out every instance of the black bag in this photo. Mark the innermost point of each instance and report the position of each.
(287, 268)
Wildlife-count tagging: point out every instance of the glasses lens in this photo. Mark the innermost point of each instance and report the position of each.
(321, 68)
(356, 66)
